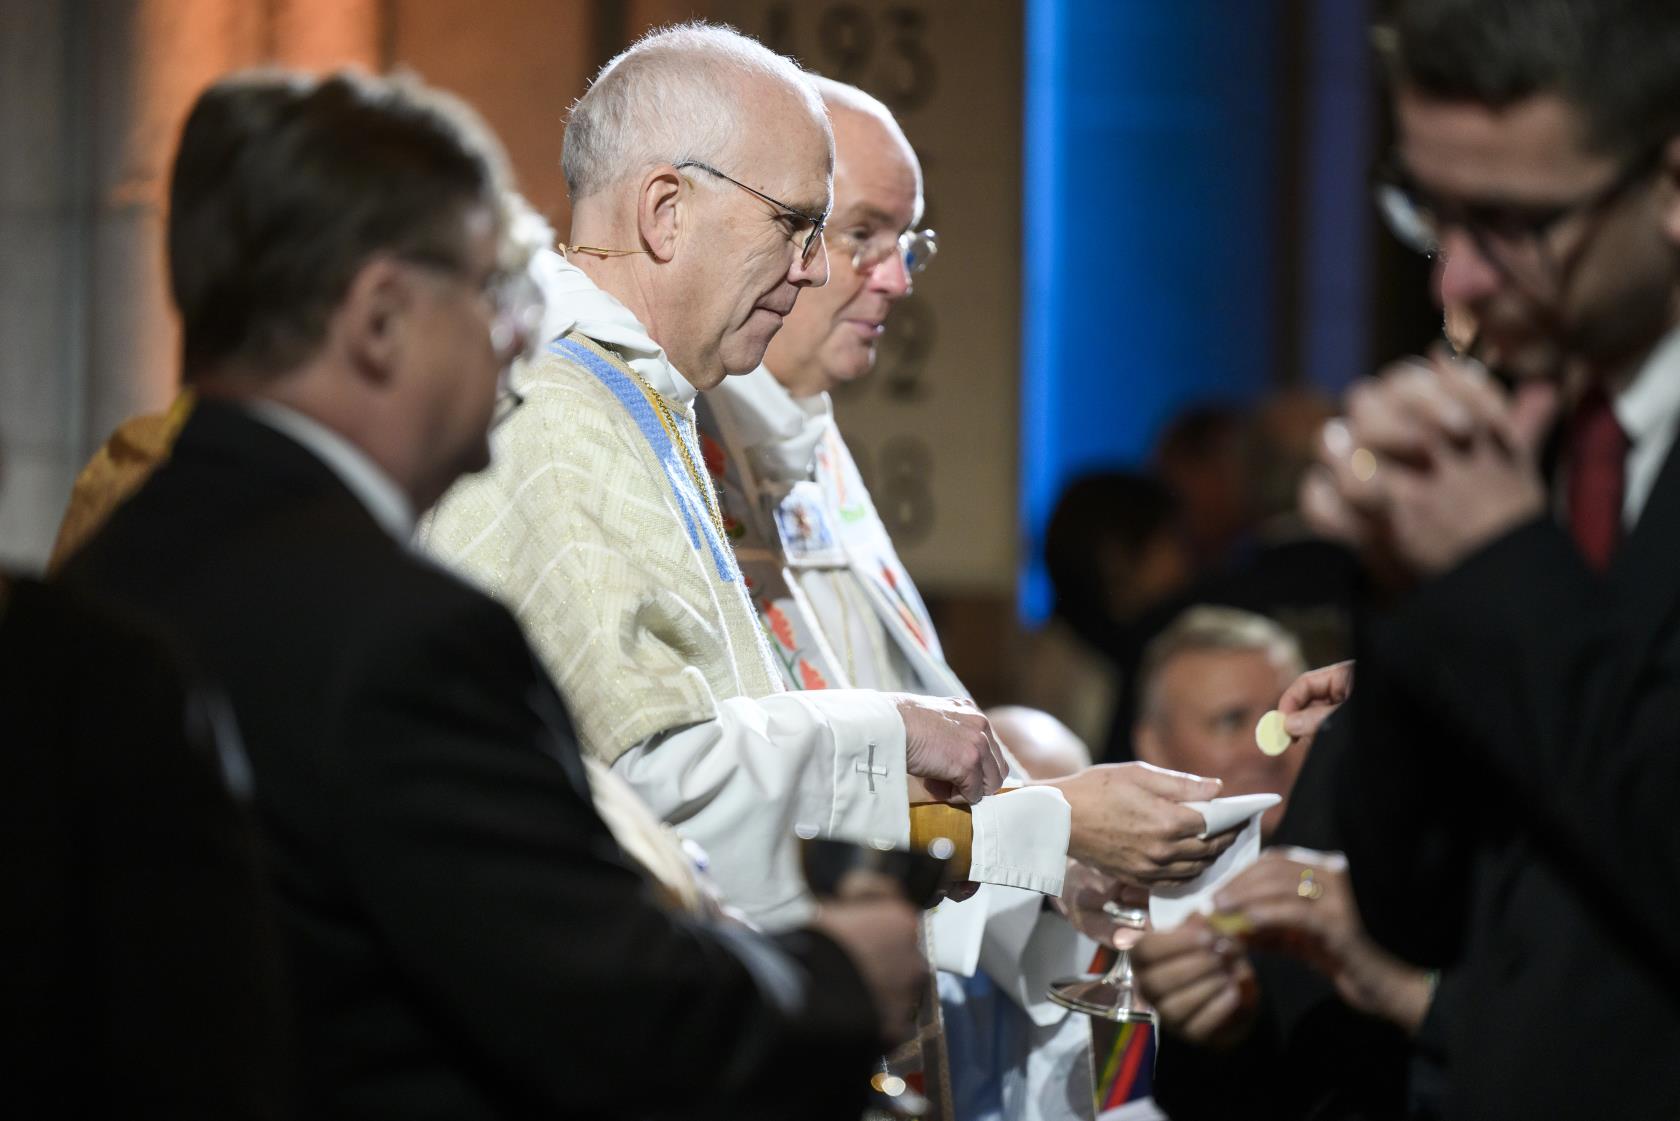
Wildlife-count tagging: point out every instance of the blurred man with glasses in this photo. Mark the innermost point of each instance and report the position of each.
(1505, 789)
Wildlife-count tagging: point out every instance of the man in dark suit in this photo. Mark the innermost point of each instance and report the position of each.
(1303, 987)
(465, 938)
(142, 969)
(1505, 796)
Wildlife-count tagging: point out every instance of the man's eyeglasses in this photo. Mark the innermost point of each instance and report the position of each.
(516, 304)
(813, 240)
(1504, 234)
(915, 247)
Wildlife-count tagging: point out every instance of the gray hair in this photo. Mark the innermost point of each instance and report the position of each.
(1206, 628)
(676, 94)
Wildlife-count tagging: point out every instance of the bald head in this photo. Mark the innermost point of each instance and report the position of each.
(1044, 746)
(678, 94)
(701, 166)
(841, 97)
(832, 334)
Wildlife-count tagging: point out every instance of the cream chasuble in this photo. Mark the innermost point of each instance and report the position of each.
(842, 611)
(597, 523)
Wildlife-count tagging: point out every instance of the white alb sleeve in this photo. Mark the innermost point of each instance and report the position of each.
(740, 784)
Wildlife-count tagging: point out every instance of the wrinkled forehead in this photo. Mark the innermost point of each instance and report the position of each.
(877, 174)
(786, 144)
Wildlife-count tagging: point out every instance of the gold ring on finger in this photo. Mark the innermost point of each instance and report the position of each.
(1308, 888)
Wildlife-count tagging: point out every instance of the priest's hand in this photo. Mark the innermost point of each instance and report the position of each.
(1095, 904)
(1200, 984)
(878, 929)
(1127, 820)
(949, 744)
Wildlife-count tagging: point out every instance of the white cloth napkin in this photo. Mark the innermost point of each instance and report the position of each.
(1171, 904)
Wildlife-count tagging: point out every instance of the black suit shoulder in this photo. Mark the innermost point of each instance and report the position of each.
(1545, 696)
(142, 973)
(470, 941)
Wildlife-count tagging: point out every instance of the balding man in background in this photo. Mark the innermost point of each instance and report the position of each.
(1205, 683)
(1240, 1018)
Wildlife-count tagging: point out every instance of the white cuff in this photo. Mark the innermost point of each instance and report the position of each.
(865, 796)
(1021, 839)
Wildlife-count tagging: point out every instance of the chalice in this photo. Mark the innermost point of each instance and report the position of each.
(1111, 995)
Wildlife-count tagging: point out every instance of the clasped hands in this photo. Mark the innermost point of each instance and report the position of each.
(1432, 462)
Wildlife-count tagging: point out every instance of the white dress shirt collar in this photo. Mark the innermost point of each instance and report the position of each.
(1648, 409)
(378, 492)
(779, 431)
(577, 302)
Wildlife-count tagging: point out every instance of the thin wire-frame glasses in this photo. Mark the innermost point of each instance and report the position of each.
(915, 247)
(817, 221)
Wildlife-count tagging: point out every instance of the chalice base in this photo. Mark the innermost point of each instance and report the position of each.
(1096, 994)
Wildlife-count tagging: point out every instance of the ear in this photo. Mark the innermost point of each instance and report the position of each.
(660, 210)
(370, 324)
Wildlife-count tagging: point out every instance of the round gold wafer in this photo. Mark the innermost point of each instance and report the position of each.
(1271, 735)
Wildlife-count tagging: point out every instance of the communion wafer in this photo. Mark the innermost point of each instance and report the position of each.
(1230, 924)
(1271, 735)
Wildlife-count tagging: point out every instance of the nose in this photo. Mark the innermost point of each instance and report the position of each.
(1464, 275)
(812, 273)
(891, 277)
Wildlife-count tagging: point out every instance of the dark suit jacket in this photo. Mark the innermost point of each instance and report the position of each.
(141, 961)
(465, 939)
(1508, 807)
(1309, 1057)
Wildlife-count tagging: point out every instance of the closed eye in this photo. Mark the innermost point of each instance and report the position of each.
(794, 224)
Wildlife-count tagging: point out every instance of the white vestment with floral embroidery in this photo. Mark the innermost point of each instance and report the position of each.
(842, 611)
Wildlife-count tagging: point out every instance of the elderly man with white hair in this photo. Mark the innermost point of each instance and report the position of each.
(699, 164)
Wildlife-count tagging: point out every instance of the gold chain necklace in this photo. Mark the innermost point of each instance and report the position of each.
(668, 421)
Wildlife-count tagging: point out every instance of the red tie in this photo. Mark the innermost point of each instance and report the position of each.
(1597, 449)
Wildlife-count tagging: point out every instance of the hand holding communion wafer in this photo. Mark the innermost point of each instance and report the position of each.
(1304, 707)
